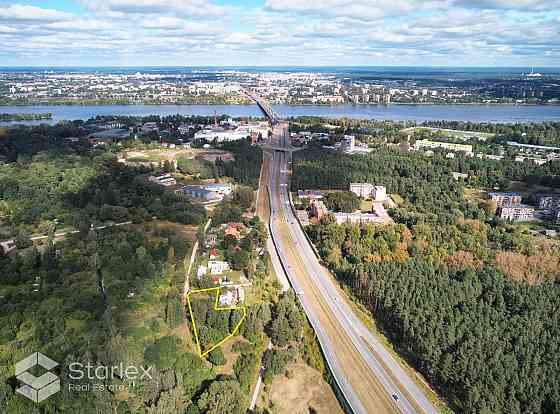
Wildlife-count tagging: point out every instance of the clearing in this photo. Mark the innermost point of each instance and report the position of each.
(301, 390)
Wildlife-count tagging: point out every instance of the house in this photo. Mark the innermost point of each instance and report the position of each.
(165, 180)
(228, 298)
(213, 253)
(516, 212)
(217, 267)
(8, 246)
(504, 199)
(211, 239)
(233, 229)
(201, 271)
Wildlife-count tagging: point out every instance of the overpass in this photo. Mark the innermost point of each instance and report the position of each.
(263, 104)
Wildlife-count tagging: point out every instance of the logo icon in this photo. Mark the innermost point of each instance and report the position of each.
(37, 389)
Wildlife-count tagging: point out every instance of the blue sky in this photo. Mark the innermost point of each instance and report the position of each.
(280, 32)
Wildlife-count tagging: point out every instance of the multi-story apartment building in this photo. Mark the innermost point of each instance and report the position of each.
(425, 143)
(504, 199)
(517, 212)
(548, 201)
(364, 190)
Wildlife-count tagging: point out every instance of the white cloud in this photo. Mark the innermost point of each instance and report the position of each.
(192, 8)
(19, 12)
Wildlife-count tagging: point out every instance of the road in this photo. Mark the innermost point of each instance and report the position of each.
(366, 373)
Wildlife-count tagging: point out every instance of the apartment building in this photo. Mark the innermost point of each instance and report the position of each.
(504, 199)
(517, 212)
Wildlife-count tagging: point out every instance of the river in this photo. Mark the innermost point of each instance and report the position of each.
(475, 112)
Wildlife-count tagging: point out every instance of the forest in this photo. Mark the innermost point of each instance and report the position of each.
(468, 300)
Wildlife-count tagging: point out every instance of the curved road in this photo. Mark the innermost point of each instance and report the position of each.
(371, 380)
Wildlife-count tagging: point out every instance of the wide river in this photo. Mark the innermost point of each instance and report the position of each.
(475, 113)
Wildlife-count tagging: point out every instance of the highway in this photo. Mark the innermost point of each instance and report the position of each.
(368, 376)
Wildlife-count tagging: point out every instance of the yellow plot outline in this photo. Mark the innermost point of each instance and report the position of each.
(217, 308)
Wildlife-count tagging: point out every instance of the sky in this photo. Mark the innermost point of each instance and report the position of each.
(280, 33)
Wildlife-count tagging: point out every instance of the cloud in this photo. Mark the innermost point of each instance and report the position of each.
(527, 5)
(19, 12)
(185, 8)
(284, 32)
(354, 9)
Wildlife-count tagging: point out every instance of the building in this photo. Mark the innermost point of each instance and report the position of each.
(516, 212)
(364, 190)
(358, 218)
(219, 134)
(348, 143)
(165, 180)
(201, 271)
(318, 209)
(426, 143)
(199, 192)
(548, 201)
(505, 199)
(8, 246)
(243, 131)
(457, 175)
(150, 127)
(379, 193)
(233, 230)
(228, 298)
(219, 188)
(310, 194)
(184, 129)
(217, 267)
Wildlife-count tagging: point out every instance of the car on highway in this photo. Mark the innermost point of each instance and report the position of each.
(396, 397)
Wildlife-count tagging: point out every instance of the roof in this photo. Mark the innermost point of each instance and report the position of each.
(518, 206)
(504, 194)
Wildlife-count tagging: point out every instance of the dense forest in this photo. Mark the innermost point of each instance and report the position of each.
(470, 301)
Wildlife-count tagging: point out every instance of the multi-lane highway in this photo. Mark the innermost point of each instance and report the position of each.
(370, 379)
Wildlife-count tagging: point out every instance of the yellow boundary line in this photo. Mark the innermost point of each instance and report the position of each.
(216, 307)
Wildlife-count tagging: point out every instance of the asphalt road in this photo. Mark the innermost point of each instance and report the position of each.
(367, 374)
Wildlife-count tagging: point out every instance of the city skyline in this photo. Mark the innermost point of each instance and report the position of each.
(484, 33)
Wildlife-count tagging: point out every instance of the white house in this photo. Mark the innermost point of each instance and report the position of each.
(217, 267)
